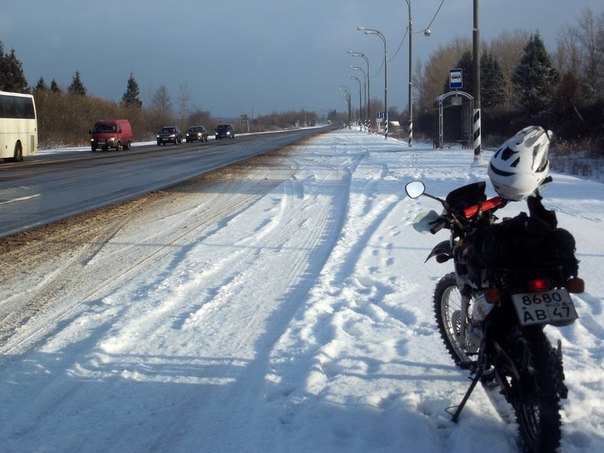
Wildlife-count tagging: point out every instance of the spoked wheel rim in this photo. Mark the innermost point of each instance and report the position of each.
(452, 317)
(531, 422)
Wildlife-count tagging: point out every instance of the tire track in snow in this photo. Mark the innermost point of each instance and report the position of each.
(100, 260)
(256, 319)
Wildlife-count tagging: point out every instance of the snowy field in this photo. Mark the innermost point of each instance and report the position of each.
(299, 322)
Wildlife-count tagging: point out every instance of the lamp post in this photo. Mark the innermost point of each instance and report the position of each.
(427, 32)
(360, 96)
(357, 68)
(362, 55)
(371, 31)
(345, 91)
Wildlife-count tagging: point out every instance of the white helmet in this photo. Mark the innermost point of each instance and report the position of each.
(520, 165)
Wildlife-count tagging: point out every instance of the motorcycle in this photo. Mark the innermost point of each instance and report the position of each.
(511, 278)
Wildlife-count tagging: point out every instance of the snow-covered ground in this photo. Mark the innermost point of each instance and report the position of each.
(300, 321)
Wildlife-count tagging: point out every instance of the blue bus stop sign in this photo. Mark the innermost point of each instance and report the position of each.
(455, 79)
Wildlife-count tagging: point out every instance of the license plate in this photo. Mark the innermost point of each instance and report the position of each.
(551, 307)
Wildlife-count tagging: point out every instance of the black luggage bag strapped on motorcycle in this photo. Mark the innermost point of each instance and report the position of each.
(520, 244)
(532, 242)
(511, 279)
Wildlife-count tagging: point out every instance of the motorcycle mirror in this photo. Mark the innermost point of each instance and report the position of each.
(415, 189)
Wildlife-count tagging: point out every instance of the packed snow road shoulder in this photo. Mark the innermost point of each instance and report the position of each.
(282, 305)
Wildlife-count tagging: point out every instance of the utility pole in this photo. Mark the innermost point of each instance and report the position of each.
(476, 63)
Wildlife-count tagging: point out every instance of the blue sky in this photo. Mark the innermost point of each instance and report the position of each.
(253, 57)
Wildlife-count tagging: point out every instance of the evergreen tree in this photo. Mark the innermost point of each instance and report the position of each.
(2, 58)
(492, 82)
(131, 96)
(41, 86)
(535, 79)
(54, 87)
(77, 88)
(332, 116)
(12, 77)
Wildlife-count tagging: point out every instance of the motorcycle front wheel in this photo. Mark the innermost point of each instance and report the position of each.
(449, 319)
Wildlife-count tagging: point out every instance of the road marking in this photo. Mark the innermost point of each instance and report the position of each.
(20, 199)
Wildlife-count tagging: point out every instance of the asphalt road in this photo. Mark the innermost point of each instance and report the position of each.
(49, 188)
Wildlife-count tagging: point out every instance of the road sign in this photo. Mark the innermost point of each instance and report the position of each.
(382, 115)
(455, 79)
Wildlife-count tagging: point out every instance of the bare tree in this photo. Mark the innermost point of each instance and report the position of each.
(420, 89)
(568, 56)
(589, 32)
(183, 105)
(162, 105)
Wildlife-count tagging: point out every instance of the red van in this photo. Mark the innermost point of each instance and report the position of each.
(111, 134)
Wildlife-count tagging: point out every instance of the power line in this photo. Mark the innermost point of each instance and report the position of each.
(421, 31)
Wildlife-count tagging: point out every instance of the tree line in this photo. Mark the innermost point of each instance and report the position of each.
(522, 83)
(66, 115)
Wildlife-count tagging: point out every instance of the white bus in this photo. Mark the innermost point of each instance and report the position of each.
(18, 126)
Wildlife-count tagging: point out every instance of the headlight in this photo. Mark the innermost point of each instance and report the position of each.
(172, 135)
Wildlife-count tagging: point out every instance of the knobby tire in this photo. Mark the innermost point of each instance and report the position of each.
(447, 310)
(534, 396)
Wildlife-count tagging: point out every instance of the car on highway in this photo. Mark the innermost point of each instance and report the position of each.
(169, 134)
(225, 131)
(197, 133)
(111, 134)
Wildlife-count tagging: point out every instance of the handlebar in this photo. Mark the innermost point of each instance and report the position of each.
(436, 228)
(450, 219)
(487, 205)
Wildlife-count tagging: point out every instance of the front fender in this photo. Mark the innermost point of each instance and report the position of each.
(442, 252)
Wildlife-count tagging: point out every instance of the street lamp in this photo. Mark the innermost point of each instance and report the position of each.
(345, 91)
(357, 68)
(362, 55)
(360, 96)
(371, 31)
(427, 32)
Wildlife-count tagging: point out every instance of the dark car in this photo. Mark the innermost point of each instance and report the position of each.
(197, 133)
(169, 134)
(225, 131)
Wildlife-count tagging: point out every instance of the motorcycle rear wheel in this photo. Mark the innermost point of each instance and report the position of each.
(449, 315)
(534, 396)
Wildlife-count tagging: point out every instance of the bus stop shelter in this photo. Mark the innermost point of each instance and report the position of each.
(453, 119)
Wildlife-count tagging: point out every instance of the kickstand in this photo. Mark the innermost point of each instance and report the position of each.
(458, 409)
